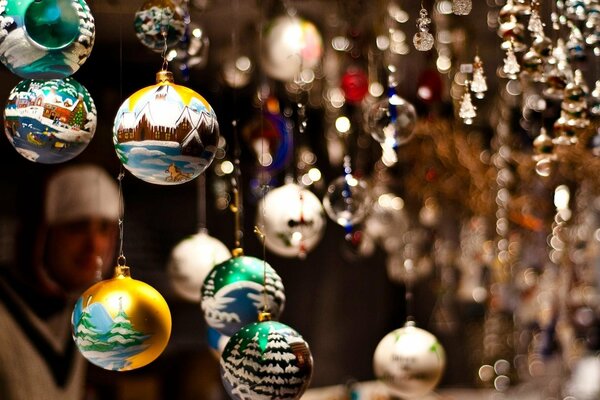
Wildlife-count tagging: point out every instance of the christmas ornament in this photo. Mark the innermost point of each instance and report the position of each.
(293, 219)
(355, 84)
(165, 134)
(191, 51)
(512, 33)
(191, 261)
(216, 341)
(121, 323)
(423, 40)
(409, 361)
(479, 84)
(543, 146)
(159, 23)
(49, 121)
(291, 44)
(467, 109)
(234, 293)
(347, 200)
(45, 39)
(535, 26)
(462, 7)
(266, 360)
(594, 101)
(270, 137)
(392, 121)
(511, 66)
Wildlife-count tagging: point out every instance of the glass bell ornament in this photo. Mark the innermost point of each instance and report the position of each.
(423, 40)
(50, 121)
(266, 360)
(294, 220)
(190, 262)
(479, 84)
(233, 293)
(45, 39)
(159, 20)
(291, 44)
(392, 121)
(410, 361)
(165, 134)
(462, 7)
(543, 145)
(467, 109)
(347, 200)
(594, 101)
(121, 323)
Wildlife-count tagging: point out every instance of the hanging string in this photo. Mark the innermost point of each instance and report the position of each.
(165, 64)
(121, 260)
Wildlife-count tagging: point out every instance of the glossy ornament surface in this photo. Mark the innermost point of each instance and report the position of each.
(190, 262)
(233, 293)
(294, 220)
(166, 134)
(347, 200)
(155, 17)
(409, 361)
(392, 121)
(266, 360)
(216, 341)
(121, 323)
(45, 39)
(291, 44)
(50, 121)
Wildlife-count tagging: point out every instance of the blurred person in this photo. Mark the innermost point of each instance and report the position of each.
(65, 242)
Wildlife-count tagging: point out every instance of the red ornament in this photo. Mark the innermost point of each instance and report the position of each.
(355, 84)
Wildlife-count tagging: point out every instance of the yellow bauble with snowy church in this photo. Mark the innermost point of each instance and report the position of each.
(121, 323)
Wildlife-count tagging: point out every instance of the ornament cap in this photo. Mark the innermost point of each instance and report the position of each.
(264, 316)
(122, 271)
(237, 252)
(164, 76)
(410, 323)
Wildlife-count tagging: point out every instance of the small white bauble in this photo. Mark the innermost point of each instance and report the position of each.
(191, 260)
(409, 361)
(294, 220)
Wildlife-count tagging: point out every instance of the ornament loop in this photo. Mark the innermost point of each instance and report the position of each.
(121, 261)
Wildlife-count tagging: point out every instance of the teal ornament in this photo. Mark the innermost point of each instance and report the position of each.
(156, 17)
(50, 121)
(266, 360)
(45, 39)
(233, 293)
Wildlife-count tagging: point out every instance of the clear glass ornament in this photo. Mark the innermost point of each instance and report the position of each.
(479, 84)
(535, 26)
(511, 66)
(462, 7)
(544, 167)
(423, 40)
(392, 121)
(467, 109)
(543, 146)
(347, 200)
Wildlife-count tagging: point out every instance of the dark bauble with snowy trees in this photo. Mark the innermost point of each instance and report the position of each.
(266, 360)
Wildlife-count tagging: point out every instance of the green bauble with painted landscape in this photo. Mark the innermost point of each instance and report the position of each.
(266, 360)
(45, 39)
(234, 293)
(50, 121)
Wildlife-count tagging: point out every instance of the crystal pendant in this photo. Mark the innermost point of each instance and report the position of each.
(511, 66)
(467, 109)
(479, 84)
(462, 7)
(423, 40)
(535, 26)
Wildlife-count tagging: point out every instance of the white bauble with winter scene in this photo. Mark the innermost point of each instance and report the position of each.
(234, 293)
(294, 220)
(49, 121)
(266, 360)
(165, 134)
(47, 39)
(409, 361)
(190, 262)
(121, 323)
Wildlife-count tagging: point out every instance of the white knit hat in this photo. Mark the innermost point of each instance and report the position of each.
(81, 191)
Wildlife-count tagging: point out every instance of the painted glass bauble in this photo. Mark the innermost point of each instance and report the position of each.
(216, 341)
(45, 39)
(270, 137)
(233, 293)
(355, 84)
(347, 200)
(166, 134)
(291, 44)
(409, 361)
(266, 360)
(294, 220)
(50, 121)
(392, 121)
(154, 18)
(121, 323)
(191, 260)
